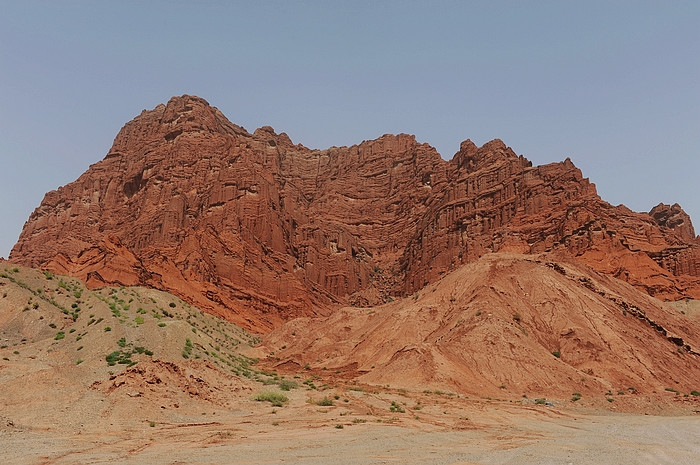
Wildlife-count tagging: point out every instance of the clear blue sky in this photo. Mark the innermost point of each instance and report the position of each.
(613, 85)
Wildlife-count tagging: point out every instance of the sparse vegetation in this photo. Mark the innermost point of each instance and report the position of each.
(60, 335)
(277, 399)
(557, 354)
(325, 402)
(396, 407)
(120, 357)
(575, 397)
(187, 350)
(286, 384)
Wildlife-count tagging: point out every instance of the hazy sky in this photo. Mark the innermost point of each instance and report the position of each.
(613, 85)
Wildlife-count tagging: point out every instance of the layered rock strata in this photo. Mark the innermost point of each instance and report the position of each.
(259, 230)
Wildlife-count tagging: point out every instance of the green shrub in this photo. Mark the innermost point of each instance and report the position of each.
(162, 325)
(557, 354)
(187, 351)
(325, 402)
(576, 396)
(142, 350)
(275, 398)
(108, 328)
(396, 407)
(60, 335)
(286, 384)
(113, 358)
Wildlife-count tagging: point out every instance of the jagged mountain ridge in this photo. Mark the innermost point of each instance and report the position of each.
(259, 230)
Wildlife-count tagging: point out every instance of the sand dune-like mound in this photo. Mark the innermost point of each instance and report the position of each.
(506, 324)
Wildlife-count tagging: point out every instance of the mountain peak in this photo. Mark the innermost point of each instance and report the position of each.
(259, 230)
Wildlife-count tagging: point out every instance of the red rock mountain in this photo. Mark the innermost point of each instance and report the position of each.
(259, 230)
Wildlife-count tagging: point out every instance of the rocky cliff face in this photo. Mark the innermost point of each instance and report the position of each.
(259, 230)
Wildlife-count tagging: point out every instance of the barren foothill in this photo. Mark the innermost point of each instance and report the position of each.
(168, 408)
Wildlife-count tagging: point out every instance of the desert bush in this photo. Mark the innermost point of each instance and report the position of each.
(325, 402)
(187, 350)
(286, 384)
(396, 407)
(275, 398)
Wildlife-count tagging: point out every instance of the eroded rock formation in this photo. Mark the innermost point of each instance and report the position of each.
(259, 230)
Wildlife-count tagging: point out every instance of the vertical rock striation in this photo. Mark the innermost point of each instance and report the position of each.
(259, 230)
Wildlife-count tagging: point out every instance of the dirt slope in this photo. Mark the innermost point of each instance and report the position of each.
(505, 325)
(112, 352)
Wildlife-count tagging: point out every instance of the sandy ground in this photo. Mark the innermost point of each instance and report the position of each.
(451, 432)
